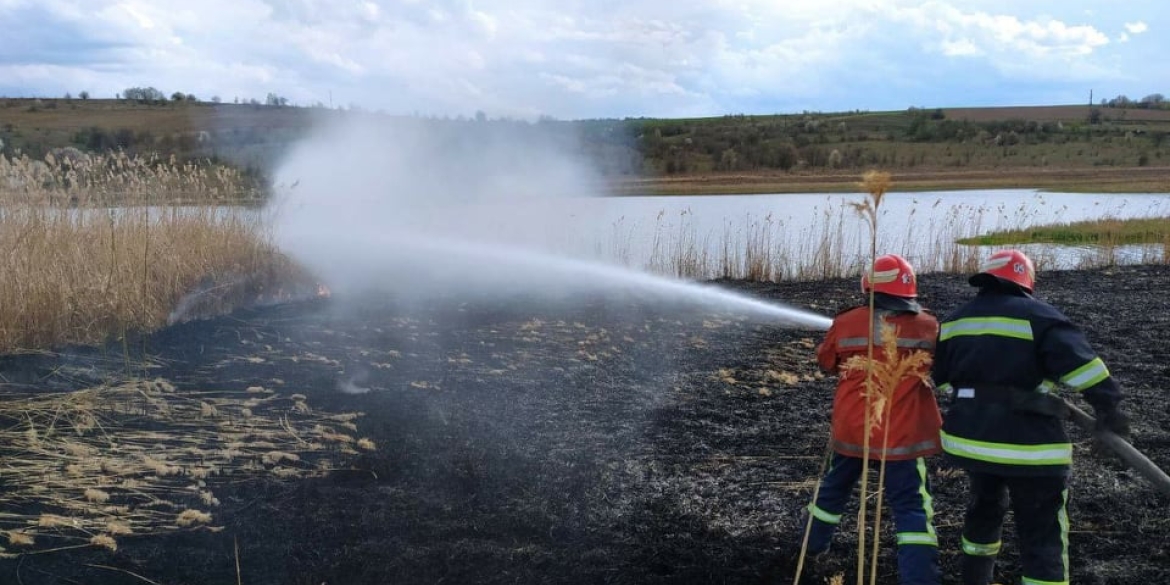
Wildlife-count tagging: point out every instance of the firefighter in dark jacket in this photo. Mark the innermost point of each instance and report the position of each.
(913, 420)
(1000, 358)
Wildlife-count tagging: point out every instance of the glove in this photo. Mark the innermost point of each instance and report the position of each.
(1114, 421)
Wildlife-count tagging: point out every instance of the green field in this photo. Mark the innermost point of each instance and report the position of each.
(1066, 147)
(1108, 232)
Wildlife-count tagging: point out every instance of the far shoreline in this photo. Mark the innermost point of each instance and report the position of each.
(1072, 180)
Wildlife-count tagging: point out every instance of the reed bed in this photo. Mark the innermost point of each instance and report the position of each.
(835, 245)
(69, 177)
(76, 271)
(86, 276)
(92, 467)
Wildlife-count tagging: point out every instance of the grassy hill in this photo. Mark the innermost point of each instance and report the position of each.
(1063, 147)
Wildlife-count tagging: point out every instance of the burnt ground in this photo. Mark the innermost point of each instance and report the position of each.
(602, 440)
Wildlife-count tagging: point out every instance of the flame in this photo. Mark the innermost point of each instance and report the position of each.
(323, 291)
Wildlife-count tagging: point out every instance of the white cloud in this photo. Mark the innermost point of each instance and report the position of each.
(1136, 27)
(1003, 34)
(961, 48)
(572, 58)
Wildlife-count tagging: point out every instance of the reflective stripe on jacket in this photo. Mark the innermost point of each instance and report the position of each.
(1000, 358)
(913, 415)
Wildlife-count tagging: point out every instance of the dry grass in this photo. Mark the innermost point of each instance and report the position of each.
(71, 177)
(89, 275)
(76, 276)
(831, 243)
(87, 467)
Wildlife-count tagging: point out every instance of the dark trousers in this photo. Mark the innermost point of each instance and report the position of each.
(908, 494)
(1039, 506)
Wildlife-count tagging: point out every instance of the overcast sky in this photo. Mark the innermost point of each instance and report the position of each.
(593, 58)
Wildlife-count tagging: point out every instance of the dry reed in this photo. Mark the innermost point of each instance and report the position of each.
(889, 369)
(767, 249)
(883, 374)
(136, 459)
(69, 177)
(75, 273)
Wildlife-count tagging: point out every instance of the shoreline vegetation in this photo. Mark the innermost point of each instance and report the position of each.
(1116, 146)
(1069, 180)
(102, 238)
(97, 248)
(1101, 232)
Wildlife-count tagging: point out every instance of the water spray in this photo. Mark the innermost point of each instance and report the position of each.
(588, 273)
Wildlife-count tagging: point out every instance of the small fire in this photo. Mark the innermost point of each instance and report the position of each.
(323, 291)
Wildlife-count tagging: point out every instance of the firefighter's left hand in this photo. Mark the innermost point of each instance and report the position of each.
(1114, 421)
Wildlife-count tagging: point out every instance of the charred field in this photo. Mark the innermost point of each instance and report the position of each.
(611, 439)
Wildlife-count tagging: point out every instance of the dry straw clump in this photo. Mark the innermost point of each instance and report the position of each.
(79, 271)
(140, 458)
(890, 367)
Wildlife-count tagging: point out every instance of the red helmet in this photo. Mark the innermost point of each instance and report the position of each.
(1010, 265)
(892, 275)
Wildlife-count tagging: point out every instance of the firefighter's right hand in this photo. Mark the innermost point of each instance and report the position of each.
(1114, 421)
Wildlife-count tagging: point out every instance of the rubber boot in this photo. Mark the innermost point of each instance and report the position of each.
(978, 570)
(820, 537)
(918, 565)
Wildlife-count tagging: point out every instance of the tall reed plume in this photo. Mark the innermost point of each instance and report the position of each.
(75, 272)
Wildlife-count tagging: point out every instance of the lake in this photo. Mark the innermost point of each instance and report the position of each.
(804, 235)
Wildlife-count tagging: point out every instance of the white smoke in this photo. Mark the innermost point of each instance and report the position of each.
(476, 209)
(365, 199)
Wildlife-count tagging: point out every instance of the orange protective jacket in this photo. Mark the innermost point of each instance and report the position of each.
(912, 416)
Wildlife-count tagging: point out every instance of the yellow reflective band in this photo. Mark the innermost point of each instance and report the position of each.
(1030, 581)
(877, 453)
(902, 342)
(946, 388)
(1008, 453)
(824, 516)
(917, 538)
(1001, 326)
(1087, 375)
(1062, 519)
(981, 550)
(927, 499)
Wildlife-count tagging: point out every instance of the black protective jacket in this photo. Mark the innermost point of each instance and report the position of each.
(1000, 357)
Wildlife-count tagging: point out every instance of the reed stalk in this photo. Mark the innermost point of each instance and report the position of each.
(876, 184)
(79, 271)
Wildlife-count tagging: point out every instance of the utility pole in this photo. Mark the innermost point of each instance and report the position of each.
(1089, 126)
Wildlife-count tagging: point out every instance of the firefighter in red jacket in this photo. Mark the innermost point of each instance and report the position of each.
(913, 419)
(1000, 357)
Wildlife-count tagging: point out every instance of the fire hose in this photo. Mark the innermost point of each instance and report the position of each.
(1131, 456)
